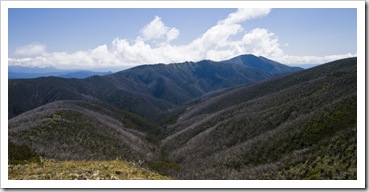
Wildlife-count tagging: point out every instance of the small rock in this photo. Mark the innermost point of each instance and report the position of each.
(73, 176)
(48, 177)
(96, 174)
(82, 177)
(118, 172)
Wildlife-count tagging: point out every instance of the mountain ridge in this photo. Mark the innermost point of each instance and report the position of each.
(145, 90)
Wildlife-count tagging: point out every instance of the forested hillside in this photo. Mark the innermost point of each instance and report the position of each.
(205, 120)
(75, 130)
(298, 126)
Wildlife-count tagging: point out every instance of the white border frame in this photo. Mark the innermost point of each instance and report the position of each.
(359, 183)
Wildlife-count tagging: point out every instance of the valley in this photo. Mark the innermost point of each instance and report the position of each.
(244, 118)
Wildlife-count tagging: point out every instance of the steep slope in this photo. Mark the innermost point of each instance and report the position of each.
(76, 130)
(299, 126)
(148, 90)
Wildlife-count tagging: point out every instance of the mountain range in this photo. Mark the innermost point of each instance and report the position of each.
(20, 72)
(244, 118)
(147, 90)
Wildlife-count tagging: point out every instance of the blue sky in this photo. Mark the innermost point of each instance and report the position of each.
(98, 38)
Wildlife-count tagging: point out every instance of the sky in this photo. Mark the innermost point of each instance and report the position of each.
(126, 37)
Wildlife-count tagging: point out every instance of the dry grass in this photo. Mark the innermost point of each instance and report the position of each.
(82, 170)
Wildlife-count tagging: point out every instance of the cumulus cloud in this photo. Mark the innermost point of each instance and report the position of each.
(242, 15)
(156, 29)
(289, 59)
(215, 42)
(172, 34)
(30, 50)
(153, 45)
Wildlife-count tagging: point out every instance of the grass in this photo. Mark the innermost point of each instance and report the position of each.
(82, 170)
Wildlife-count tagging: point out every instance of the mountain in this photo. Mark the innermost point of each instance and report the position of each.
(83, 74)
(77, 130)
(262, 63)
(229, 123)
(299, 126)
(20, 72)
(305, 66)
(148, 90)
(32, 70)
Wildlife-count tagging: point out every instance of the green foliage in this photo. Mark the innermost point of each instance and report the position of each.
(165, 167)
(21, 154)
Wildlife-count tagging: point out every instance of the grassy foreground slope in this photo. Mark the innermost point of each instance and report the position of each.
(82, 170)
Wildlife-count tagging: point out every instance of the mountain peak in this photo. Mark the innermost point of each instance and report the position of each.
(263, 63)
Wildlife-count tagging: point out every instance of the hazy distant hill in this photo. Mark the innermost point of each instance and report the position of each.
(305, 66)
(147, 90)
(19, 72)
(33, 70)
(298, 126)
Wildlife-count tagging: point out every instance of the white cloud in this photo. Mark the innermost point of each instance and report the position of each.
(172, 34)
(156, 29)
(289, 59)
(242, 15)
(216, 39)
(30, 50)
(261, 42)
(153, 45)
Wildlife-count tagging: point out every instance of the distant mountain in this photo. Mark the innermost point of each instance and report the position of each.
(263, 63)
(147, 90)
(83, 74)
(33, 70)
(299, 126)
(19, 72)
(305, 66)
